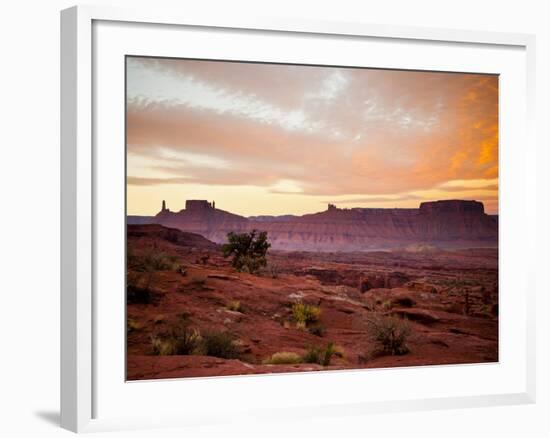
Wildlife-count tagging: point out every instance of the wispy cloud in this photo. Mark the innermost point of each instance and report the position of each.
(312, 131)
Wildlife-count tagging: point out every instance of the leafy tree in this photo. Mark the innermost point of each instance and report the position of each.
(248, 250)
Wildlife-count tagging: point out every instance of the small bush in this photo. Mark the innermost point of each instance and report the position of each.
(186, 339)
(320, 355)
(387, 305)
(182, 340)
(162, 347)
(151, 261)
(313, 355)
(390, 335)
(248, 250)
(284, 357)
(317, 329)
(138, 295)
(305, 314)
(219, 344)
(138, 288)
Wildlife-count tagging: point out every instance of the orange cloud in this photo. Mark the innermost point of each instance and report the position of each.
(326, 131)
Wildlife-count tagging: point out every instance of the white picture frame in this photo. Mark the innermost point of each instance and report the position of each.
(83, 182)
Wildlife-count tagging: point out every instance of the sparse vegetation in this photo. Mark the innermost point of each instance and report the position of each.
(390, 335)
(182, 339)
(138, 289)
(248, 250)
(320, 355)
(162, 347)
(317, 329)
(151, 261)
(284, 357)
(219, 344)
(305, 314)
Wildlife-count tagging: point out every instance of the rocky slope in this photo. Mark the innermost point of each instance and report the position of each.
(447, 224)
(449, 300)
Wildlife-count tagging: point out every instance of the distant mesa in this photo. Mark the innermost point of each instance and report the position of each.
(199, 205)
(446, 224)
(452, 206)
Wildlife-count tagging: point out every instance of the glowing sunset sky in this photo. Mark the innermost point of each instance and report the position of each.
(286, 139)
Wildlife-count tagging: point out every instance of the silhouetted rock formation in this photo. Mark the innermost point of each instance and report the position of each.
(452, 223)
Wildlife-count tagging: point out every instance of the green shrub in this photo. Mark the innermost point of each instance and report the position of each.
(248, 250)
(305, 314)
(320, 355)
(186, 339)
(284, 357)
(219, 344)
(390, 335)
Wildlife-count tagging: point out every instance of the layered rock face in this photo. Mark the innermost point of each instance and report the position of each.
(442, 223)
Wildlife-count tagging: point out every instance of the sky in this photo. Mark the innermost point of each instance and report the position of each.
(269, 139)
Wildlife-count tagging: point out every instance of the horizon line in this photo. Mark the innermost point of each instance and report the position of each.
(329, 204)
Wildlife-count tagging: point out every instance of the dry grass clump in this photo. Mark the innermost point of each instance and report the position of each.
(389, 334)
(150, 261)
(234, 306)
(184, 340)
(133, 326)
(284, 358)
(181, 340)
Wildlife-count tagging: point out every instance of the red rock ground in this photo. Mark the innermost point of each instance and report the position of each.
(450, 300)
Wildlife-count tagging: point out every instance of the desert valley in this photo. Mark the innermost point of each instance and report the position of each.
(290, 218)
(339, 289)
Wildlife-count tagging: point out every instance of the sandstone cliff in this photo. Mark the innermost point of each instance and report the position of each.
(447, 224)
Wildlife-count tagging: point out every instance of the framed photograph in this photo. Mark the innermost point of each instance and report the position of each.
(291, 218)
